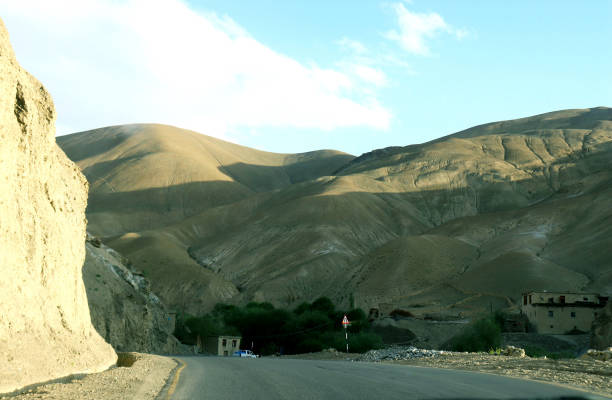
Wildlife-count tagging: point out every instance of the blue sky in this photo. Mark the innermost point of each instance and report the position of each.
(292, 76)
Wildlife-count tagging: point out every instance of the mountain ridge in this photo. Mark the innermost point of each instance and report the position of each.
(324, 234)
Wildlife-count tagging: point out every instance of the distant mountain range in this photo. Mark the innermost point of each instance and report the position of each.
(454, 226)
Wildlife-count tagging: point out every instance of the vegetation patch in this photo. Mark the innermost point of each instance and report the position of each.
(482, 335)
(310, 327)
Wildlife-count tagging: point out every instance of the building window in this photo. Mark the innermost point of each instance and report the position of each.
(551, 327)
(529, 299)
(573, 314)
(551, 299)
(585, 298)
(562, 299)
(234, 343)
(524, 300)
(224, 342)
(551, 313)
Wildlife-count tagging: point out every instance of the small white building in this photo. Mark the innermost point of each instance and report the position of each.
(219, 345)
(560, 313)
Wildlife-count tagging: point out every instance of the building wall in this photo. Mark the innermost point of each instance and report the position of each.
(561, 320)
(547, 313)
(228, 345)
(220, 345)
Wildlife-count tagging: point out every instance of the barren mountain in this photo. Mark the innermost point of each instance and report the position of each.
(457, 225)
(146, 176)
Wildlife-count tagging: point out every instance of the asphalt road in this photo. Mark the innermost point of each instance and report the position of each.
(220, 378)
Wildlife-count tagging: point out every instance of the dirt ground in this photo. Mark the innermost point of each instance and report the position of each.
(143, 380)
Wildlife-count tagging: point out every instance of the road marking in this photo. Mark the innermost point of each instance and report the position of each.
(172, 387)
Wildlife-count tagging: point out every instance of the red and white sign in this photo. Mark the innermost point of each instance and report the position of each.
(345, 321)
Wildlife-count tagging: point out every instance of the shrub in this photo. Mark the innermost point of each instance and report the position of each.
(482, 335)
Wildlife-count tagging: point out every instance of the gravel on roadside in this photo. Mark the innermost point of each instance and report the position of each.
(144, 379)
(590, 375)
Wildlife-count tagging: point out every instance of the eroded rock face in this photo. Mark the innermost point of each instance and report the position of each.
(601, 335)
(123, 308)
(45, 326)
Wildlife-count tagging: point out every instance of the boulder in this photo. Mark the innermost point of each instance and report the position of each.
(45, 326)
(601, 355)
(512, 351)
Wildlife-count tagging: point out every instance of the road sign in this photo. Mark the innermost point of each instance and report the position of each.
(345, 323)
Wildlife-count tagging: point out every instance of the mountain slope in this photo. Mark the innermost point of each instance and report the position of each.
(456, 225)
(146, 176)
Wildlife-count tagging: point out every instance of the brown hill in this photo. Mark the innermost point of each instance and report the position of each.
(456, 225)
(150, 176)
(145, 176)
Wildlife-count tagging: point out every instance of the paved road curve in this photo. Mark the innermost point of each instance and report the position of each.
(218, 378)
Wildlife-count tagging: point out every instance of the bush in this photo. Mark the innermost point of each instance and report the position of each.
(324, 305)
(482, 335)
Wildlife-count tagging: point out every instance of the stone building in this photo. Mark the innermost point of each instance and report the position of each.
(561, 313)
(219, 345)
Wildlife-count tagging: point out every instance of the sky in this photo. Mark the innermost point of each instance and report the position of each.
(301, 75)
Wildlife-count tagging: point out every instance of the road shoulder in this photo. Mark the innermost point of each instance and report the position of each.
(144, 379)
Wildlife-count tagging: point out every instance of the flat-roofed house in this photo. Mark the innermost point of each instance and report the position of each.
(219, 345)
(560, 313)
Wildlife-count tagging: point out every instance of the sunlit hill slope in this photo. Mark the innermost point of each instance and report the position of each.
(454, 225)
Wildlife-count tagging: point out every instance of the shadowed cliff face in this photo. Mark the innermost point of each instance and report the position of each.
(123, 308)
(453, 226)
(45, 326)
(601, 336)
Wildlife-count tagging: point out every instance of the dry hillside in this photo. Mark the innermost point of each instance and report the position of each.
(456, 225)
(146, 176)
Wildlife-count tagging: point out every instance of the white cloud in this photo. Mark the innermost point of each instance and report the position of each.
(416, 28)
(371, 75)
(109, 62)
(353, 45)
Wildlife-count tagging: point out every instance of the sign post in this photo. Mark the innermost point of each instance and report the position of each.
(345, 324)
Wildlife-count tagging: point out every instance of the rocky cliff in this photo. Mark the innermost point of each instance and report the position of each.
(123, 308)
(45, 326)
(601, 335)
